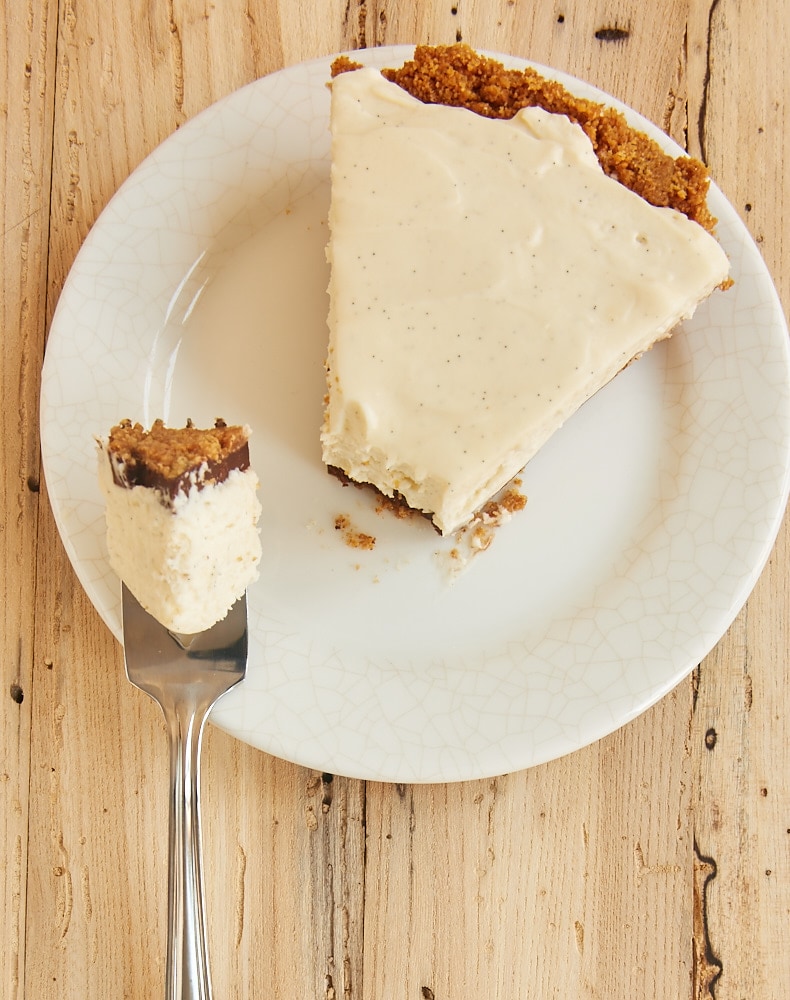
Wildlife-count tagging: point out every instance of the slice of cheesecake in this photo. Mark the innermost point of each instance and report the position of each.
(489, 273)
(182, 513)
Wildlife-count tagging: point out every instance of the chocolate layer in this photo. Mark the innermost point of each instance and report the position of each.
(396, 501)
(206, 473)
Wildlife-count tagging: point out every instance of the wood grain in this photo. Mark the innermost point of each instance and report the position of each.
(740, 734)
(606, 918)
(27, 74)
(653, 863)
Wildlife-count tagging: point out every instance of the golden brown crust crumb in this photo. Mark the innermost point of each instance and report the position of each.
(511, 502)
(396, 506)
(343, 64)
(458, 76)
(479, 532)
(354, 539)
(169, 452)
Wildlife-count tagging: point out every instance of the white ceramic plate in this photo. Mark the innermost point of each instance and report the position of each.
(200, 292)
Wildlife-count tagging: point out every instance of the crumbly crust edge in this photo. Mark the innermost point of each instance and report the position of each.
(458, 76)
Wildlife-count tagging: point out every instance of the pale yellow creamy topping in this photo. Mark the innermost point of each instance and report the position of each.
(187, 562)
(487, 278)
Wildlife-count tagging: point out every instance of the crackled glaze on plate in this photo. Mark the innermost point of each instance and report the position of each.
(200, 292)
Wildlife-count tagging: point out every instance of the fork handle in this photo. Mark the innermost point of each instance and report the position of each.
(187, 976)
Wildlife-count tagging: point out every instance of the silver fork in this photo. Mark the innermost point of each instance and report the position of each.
(185, 675)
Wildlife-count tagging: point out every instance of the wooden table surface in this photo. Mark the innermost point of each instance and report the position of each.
(655, 863)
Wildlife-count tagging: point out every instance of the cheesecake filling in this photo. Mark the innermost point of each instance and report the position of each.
(487, 278)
